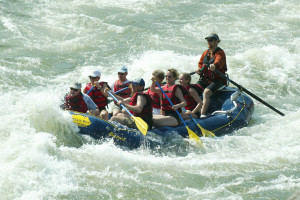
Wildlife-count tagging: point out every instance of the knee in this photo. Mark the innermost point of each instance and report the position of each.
(207, 93)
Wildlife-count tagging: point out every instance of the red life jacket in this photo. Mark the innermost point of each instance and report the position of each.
(76, 103)
(191, 103)
(170, 92)
(119, 85)
(96, 95)
(146, 113)
(155, 99)
(207, 75)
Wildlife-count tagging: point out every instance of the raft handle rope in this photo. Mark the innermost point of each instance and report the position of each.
(233, 98)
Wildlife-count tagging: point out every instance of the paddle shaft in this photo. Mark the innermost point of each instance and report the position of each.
(121, 90)
(90, 90)
(248, 92)
(190, 116)
(122, 105)
(170, 103)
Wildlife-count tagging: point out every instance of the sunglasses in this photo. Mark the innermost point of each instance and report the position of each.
(121, 73)
(210, 40)
(75, 90)
(93, 77)
(167, 76)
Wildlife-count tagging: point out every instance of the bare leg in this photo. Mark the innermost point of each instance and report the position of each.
(104, 114)
(161, 120)
(186, 116)
(124, 119)
(206, 100)
(116, 112)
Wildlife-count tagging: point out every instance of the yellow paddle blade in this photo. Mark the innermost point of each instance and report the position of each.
(141, 125)
(193, 136)
(206, 133)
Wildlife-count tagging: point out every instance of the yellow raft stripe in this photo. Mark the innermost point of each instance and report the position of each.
(234, 118)
(78, 114)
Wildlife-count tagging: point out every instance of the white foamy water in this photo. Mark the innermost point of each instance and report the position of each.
(46, 45)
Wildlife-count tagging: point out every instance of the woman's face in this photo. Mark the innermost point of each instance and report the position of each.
(182, 80)
(170, 78)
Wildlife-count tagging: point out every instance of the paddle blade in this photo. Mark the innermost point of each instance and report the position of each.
(193, 136)
(141, 125)
(206, 133)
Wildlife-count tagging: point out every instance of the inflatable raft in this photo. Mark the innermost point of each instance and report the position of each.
(230, 110)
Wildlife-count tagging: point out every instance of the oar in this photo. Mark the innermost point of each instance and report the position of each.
(130, 86)
(205, 132)
(192, 135)
(139, 122)
(90, 90)
(248, 92)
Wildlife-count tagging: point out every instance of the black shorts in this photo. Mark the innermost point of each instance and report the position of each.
(198, 114)
(172, 113)
(213, 86)
(103, 108)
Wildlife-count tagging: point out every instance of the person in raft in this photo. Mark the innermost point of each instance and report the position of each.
(140, 105)
(159, 75)
(119, 84)
(192, 97)
(76, 101)
(211, 59)
(96, 90)
(175, 94)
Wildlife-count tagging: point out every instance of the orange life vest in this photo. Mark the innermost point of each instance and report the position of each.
(170, 92)
(155, 99)
(96, 95)
(119, 85)
(207, 75)
(146, 113)
(190, 101)
(75, 103)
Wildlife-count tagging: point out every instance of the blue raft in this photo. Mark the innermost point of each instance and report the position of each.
(230, 110)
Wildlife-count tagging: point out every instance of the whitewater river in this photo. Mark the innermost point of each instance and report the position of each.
(47, 44)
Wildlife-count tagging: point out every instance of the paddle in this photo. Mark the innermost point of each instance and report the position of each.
(90, 90)
(130, 86)
(205, 132)
(192, 135)
(248, 92)
(139, 122)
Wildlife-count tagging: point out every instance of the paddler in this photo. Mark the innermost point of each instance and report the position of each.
(119, 84)
(96, 90)
(75, 100)
(159, 75)
(140, 105)
(192, 96)
(211, 59)
(175, 93)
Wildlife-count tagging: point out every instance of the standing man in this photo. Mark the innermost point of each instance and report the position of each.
(140, 105)
(95, 90)
(76, 101)
(119, 84)
(212, 58)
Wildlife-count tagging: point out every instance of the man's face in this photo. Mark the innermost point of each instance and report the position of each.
(74, 92)
(93, 79)
(122, 75)
(136, 88)
(212, 43)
